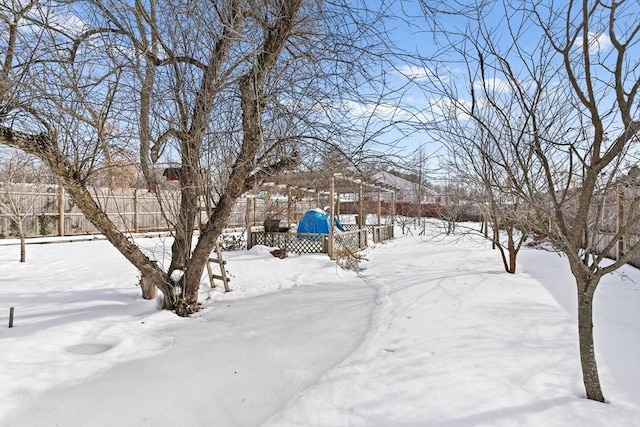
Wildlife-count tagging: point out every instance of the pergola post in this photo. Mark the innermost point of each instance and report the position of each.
(331, 213)
(255, 201)
(247, 212)
(393, 211)
(289, 216)
(379, 207)
(361, 219)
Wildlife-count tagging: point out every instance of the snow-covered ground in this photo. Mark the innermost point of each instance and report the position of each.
(431, 333)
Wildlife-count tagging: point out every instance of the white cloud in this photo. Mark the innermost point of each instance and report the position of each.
(68, 23)
(63, 21)
(414, 72)
(426, 111)
(384, 111)
(598, 43)
(493, 85)
(448, 108)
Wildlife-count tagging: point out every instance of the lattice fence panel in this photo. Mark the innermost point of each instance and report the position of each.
(299, 243)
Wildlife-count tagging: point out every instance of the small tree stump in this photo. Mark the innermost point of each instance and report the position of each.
(279, 253)
(149, 290)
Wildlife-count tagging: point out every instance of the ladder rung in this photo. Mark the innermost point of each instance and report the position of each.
(223, 273)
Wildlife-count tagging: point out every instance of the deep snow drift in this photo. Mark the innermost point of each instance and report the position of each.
(432, 332)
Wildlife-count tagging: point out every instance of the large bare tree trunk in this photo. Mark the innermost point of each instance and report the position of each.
(185, 226)
(251, 102)
(590, 376)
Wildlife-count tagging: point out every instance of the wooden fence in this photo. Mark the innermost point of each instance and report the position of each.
(50, 211)
(377, 233)
(603, 239)
(53, 212)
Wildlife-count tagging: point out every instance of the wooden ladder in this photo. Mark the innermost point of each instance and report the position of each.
(223, 271)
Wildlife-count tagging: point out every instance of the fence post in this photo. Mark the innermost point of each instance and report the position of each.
(136, 227)
(289, 207)
(247, 219)
(61, 211)
(620, 221)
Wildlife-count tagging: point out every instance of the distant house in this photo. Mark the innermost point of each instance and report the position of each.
(172, 173)
(407, 191)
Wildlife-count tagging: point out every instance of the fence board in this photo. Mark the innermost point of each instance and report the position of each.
(603, 239)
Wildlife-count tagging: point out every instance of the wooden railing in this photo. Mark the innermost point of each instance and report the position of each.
(354, 239)
(299, 243)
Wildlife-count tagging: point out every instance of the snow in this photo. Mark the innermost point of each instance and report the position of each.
(431, 333)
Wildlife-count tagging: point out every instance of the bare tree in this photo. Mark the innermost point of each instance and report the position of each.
(229, 91)
(417, 166)
(558, 87)
(579, 172)
(481, 144)
(456, 202)
(22, 180)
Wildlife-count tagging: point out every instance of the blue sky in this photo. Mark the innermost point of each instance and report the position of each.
(412, 33)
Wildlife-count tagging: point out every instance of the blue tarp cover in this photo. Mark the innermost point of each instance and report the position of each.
(316, 221)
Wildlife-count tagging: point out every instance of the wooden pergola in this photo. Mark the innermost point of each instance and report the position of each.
(333, 184)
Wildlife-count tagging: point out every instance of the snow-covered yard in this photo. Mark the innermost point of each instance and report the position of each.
(431, 333)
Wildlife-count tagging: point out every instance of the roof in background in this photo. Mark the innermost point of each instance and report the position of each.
(400, 183)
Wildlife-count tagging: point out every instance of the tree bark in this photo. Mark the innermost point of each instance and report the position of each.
(148, 287)
(185, 226)
(513, 253)
(512, 260)
(590, 376)
(23, 251)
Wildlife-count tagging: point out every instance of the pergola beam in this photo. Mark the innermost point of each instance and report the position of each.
(332, 184)
(321, 182)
